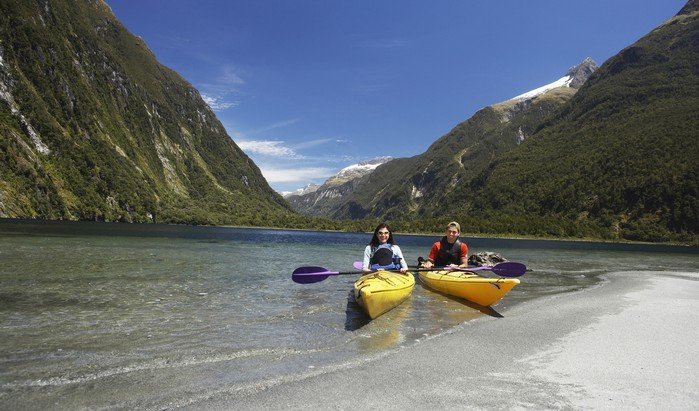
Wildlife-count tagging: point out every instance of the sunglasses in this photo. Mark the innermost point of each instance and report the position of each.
(384, 232)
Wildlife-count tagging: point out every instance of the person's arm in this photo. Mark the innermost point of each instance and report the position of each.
(403, 265)
(367, 257)
(464, 255)
(433, 256)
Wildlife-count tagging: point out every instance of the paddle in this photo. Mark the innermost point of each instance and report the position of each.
(506, 269)
(309, 275)
(312, 274)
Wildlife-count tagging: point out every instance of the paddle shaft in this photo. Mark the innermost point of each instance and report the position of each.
(504, 269)
(308, 275)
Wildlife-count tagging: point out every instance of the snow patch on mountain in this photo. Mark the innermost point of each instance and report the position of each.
(364, 167)
(561, 82)
(310, 188)
(356, 171)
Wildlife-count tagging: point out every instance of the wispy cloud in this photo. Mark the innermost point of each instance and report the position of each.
(218, 104)
(314, 143)
(268, 148)
(218, 94)
(296, 175)
(274, 126)
(230, 76)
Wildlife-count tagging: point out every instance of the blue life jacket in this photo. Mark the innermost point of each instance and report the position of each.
(382, 256)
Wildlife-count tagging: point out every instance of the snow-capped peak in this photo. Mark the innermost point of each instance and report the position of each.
(363, 167)
(561, 82)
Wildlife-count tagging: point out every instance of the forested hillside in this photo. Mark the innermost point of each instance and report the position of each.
(616, 160)
(93, 127)
(416, 188)
(620, 160)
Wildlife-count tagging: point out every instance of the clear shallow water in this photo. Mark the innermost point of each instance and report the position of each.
(125, 316)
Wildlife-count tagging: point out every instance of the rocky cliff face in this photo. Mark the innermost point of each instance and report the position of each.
(580, 73)
(93, 127)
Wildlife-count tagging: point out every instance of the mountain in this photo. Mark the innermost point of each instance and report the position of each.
(93, 127)
(619, 160)
(320, 200)
(307, 189)
(615, 159)
(416, 188)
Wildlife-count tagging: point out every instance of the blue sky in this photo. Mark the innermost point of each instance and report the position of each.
(308, 87)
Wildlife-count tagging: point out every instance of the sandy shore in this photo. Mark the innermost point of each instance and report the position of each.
(629, 343)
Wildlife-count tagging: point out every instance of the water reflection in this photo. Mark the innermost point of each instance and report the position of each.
(356, 318)
(386, 331)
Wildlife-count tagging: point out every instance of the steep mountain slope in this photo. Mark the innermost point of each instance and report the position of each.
(93, 127)
(417, 187)
(622, 157)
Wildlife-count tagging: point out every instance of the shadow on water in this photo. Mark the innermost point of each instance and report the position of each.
(356, 318)
(490, 311)
(485, 310)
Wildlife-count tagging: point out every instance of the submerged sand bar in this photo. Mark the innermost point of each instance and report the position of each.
(629, 343)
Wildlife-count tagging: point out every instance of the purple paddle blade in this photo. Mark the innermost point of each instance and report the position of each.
(509, 269)
(310, 270)
(309, 275)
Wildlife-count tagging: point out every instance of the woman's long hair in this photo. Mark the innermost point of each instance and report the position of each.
(375, 239)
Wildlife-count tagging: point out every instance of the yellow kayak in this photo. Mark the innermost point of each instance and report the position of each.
(464, 284)
(380, 291)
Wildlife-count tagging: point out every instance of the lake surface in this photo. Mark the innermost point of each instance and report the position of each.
(100, 315)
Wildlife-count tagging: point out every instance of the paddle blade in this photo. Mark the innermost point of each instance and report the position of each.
(509, 269)
(358, 265)
(308, 279)
(309, 275)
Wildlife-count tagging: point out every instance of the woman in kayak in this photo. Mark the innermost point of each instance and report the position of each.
(382, 253)
(449, 251)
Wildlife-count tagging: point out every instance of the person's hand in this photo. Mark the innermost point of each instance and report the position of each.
(403, 270)
(427, 264)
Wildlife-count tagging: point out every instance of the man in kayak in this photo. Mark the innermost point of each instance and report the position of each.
(382, 253)
(449, 251)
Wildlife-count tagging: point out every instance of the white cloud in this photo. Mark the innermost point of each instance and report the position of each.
(296, 175)
(275, 126)
(268, 148)
(276, 148)
(229, 76)
(314, 143)
(216, 94)
(218, 104)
